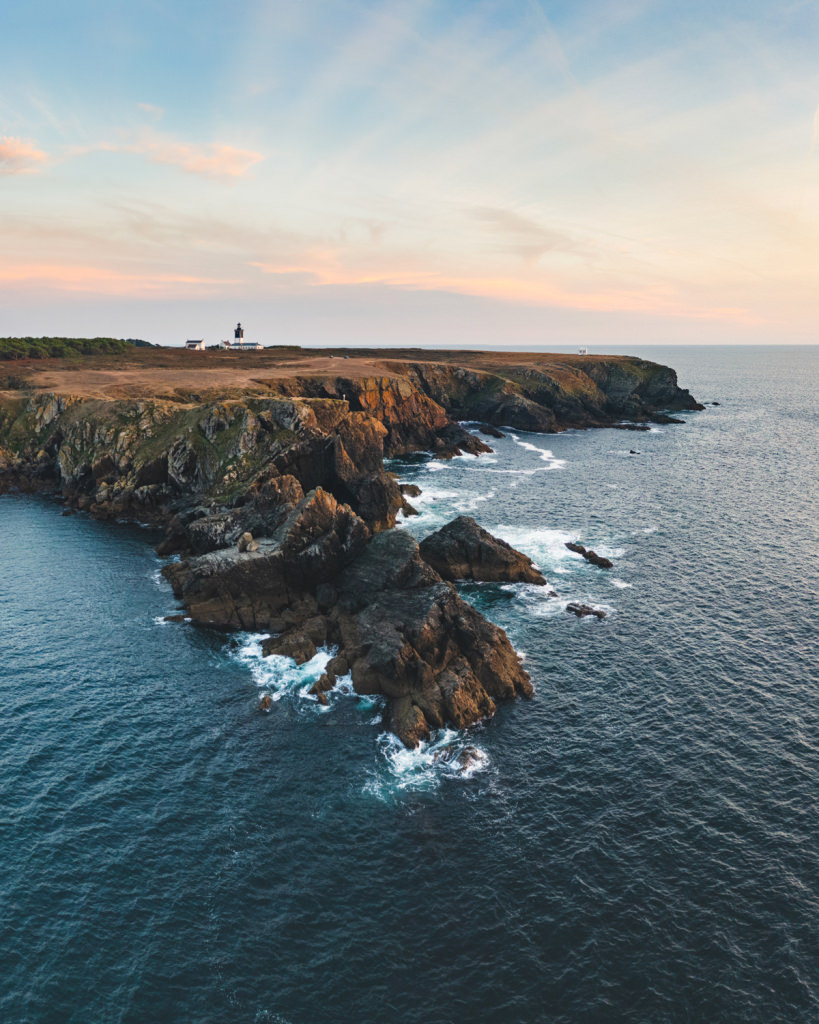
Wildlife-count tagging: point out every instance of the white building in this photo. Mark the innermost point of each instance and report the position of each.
(195, 344)
(239, 344)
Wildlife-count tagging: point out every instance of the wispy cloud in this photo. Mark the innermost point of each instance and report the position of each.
(214, 160)
(103, 280)
(153, 111)
(522, 236)
(217, 160)
(19, 156)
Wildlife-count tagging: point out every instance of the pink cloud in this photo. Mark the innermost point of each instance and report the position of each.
(17, 156)
(214, 160)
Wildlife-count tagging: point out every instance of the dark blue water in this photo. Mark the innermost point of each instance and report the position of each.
(638, 842)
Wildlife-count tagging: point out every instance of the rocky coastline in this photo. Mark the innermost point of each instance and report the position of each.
(280, 511)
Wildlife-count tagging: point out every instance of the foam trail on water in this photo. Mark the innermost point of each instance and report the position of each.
(544, 454)
(448, 754)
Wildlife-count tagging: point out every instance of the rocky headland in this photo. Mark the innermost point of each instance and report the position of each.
(267, 473)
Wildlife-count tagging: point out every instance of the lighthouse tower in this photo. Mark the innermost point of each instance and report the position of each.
(239, 334)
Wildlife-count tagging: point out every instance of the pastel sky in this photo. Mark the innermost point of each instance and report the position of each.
(521, 172)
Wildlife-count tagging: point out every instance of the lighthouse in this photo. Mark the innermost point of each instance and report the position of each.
(239, 343)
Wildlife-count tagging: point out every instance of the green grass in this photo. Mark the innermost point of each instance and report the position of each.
(50, 348)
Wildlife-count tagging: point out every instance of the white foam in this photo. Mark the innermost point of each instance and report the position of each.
(544, 454)
(344, 688)
(448, 754)
(429, 495)
(607, 551)
(277, 675)
(436, 466)
(546, 547)
(471, 502)
(621, 584)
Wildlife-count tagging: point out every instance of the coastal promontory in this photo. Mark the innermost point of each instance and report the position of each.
(266, 472)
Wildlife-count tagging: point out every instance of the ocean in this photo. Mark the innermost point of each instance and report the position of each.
(637, 843)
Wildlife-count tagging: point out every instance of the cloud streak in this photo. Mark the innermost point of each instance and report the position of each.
(103, 281)
(19, 156)
(213, 160)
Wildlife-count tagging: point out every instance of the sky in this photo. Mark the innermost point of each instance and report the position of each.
(336, 172)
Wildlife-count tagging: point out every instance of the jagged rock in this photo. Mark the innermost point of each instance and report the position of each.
(249, 590)
(413, 490)
(337, 667)
(293, 645)
(468, 758)
(585, 609)
(589, 555)
(409, 636)
(409, 510)
(321, 688)
(266, 703)
(463, 550)
(267, 502)
(490, 431)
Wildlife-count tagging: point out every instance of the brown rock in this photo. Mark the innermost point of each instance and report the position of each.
(409, 636)
(581, 610)
(292, 645)
(589, 555)
(266, 703)
(463, 550)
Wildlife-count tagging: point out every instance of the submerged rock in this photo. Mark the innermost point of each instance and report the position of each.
(580, 610)
(462, 550)
(589, 555)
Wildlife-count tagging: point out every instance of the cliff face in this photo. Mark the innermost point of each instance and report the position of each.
(155, 459)
(547, 397)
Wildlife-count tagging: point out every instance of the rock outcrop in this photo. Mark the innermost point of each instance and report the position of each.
(276, 497)
(462, 550)
(582, 610)
(400, 629)
(589, 555)
(408, 635)
(273, 586)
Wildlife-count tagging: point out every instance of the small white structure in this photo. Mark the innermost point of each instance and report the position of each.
(195, 344)
(582, 351)
(239, 343)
